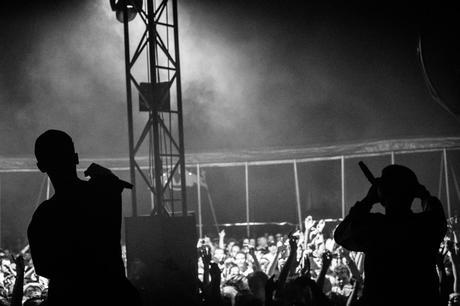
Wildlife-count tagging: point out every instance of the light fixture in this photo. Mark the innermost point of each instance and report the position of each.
(132, 7)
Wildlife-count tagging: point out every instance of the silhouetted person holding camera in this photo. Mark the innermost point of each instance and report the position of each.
(81, 218)
(400, 246)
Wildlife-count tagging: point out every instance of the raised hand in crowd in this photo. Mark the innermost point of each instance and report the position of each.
(309, 223)
(274, 262)
(252, 253)
(445, 287)
(205, 254)
(326, 260)
(306, 266)
(289, 262)
(222, 239)
(351, 264)
(357, 279)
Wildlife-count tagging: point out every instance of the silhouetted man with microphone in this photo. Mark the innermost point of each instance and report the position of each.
(75, 235)
(400, 246)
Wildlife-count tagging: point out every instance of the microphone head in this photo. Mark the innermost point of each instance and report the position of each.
(370, 177)
(97, 171)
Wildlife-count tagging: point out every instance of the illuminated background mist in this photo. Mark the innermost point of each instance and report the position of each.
(255, 74)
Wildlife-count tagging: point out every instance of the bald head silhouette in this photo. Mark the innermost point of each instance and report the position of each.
(55, 153)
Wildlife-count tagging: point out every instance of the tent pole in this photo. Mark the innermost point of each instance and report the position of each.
(457, 188)
(198, 184)
(246, 177)
(48, 188)
(152, 201)
(1, 223)
(297, 194)
(440, 176)
(342, 174)
(213, 212)
(446, 174)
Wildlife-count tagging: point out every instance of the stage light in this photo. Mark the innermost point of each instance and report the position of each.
(132, 7)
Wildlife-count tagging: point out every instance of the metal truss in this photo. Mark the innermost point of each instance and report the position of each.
(161, 97)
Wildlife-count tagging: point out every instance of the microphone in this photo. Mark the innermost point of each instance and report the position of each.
(97, 171)
(370, 177)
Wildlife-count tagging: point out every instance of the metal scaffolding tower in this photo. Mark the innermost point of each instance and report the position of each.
(160, 96)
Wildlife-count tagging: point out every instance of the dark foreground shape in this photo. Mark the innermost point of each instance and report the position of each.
(82, 217)
(398, 240)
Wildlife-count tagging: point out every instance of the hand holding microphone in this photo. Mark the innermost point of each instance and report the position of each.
(97, 172)
(418, 189)
(372, 196)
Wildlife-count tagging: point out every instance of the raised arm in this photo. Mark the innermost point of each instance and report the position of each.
(443, 287)
(274, 263)
(221, 239)
(205, 253)
(309, 223)
(326, 263)
(351, 265)
(287, 266)
(353, 298)
(305, 271)
(356, 275)
(455, 261)
(16, 299)
(254, 258)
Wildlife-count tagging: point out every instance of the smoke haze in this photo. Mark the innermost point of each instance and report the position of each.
(253, 75)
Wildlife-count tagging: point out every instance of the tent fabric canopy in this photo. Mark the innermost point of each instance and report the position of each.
(266, 155)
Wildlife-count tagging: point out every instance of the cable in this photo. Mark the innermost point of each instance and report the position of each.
(431, 88)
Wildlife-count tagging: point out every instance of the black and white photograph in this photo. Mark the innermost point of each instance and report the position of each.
(229, 153)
